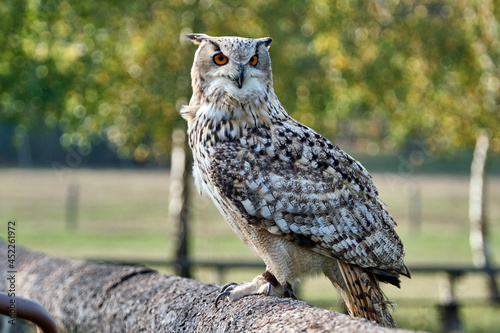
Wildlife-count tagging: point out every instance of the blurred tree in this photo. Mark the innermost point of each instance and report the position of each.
(412, 69)
(383, 71)
(93, 69)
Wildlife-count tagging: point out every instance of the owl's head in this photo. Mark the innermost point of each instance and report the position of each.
(234, 67)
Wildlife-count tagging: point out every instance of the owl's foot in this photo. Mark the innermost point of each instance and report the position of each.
(265, 284)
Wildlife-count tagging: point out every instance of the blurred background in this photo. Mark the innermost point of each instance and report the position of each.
(90, 94)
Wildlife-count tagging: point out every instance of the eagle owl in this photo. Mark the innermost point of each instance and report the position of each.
(300, 202)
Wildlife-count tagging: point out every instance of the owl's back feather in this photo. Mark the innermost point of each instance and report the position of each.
(295, 183)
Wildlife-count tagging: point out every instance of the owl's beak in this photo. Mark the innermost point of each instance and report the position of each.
(240, 77)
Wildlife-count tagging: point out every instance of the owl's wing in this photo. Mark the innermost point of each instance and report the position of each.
(295, 183)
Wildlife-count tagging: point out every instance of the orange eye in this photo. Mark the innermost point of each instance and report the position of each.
(254, 60)
(220, 59)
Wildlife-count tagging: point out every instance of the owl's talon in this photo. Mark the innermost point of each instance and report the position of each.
(288, 293)
(228, 285)
(221, 296)
(225, 291)
(268, 288)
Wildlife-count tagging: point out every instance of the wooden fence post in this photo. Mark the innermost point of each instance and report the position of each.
(179, 199)
(449, 307)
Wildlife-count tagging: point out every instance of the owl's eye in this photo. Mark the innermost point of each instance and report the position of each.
(220, 59)
(254, 60)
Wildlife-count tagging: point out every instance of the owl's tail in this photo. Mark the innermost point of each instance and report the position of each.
(363, 297)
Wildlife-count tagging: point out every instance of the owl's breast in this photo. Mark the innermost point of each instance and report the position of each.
(200, 180)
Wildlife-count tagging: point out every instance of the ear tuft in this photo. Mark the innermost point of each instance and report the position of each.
(267, 41)
(197, 38)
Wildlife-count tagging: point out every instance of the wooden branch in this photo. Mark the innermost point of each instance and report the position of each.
(90, 297)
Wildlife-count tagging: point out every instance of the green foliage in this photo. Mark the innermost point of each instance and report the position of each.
(387, 71)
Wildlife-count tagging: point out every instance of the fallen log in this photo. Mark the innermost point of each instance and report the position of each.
(89, 297)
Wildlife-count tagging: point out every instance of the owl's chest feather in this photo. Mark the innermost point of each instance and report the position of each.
(212, 126)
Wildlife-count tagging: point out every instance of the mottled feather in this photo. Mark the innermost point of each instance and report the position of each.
(294, 182)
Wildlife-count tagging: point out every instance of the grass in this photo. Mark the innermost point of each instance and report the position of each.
(123, 213)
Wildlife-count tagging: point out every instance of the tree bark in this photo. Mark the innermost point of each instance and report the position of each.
(91, 297)
(477, 202)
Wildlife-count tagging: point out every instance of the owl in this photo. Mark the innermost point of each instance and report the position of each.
(297, 200)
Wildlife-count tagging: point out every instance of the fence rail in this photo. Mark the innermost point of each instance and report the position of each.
(232, 264)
